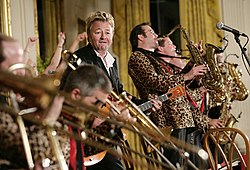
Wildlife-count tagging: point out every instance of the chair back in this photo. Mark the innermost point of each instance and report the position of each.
(232, 153)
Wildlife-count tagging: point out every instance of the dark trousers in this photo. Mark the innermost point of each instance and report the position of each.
(109, 162)
(192, 136)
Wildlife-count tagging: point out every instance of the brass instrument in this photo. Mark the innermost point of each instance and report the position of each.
(152, 132)
(11, 101)
(212, 79)
(241, 92)
(236, 91)
(73, 113)
(43, 91)
(23, 132)
(72, 60)
(17, 83)
(30, 86)
(22, 66)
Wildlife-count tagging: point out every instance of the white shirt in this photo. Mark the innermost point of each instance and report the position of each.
(108, 60)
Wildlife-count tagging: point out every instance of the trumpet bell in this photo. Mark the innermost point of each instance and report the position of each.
(42, 89)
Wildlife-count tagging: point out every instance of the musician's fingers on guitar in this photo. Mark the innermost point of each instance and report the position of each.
(156, 104)
(130, 97)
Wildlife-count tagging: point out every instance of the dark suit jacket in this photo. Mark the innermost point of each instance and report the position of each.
(88, 55)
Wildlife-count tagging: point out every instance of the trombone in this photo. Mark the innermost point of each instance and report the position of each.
(45, 92)
(154, 133)
(34, 88)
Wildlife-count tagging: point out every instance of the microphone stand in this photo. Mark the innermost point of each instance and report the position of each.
(243, 50)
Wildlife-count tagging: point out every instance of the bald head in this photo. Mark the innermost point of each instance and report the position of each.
(10, 52)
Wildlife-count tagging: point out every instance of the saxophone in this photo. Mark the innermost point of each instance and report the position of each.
(212, 79)
(240, 91)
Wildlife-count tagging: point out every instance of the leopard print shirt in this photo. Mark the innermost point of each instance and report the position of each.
(11, 146)
(12, 150)
(151, 78)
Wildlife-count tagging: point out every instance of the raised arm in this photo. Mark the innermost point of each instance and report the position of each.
(31, 42)
(63, 65)
(57, 55)
(79, 38)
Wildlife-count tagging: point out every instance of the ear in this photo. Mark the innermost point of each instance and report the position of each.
(160, 48)
(140, 37)
(75, 94)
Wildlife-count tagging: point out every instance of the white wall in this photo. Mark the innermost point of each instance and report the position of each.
(75, 9)
(235, 13)
(22, 22)
(23, 18)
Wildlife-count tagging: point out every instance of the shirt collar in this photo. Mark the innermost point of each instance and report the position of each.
(109, 59)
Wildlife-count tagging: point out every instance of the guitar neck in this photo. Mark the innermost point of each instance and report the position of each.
(148, 105)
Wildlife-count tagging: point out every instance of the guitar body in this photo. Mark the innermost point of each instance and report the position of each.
(94, 159)
(172, 93)
(176, 91)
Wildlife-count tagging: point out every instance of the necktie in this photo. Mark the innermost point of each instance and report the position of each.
(76, 153)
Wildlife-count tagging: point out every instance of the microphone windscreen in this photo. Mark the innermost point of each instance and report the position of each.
(219, 25)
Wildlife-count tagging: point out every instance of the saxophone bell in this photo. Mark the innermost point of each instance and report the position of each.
(71, 59)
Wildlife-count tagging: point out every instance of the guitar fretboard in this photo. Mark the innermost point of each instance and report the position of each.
(148, 105)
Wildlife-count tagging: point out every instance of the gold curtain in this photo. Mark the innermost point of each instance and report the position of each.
(199, 17)
(5, 18)
(52, 19)
(127, 14)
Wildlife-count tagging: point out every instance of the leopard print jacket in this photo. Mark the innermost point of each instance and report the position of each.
(151, 78)
(12, 150)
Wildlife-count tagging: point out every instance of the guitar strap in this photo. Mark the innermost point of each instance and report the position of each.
(76, 158)
(191, 101)
(203, 103)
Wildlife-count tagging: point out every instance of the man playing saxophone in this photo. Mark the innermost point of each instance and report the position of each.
(152, 75)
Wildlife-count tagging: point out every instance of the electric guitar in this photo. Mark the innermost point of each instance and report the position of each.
(74, 61)
(172, 93)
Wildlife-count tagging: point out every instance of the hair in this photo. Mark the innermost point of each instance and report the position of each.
(137, 30)
(3, 38)
(100, 16)
(87, 78)
(161, 42)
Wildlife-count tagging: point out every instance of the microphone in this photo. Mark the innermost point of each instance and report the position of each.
(224, 27)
